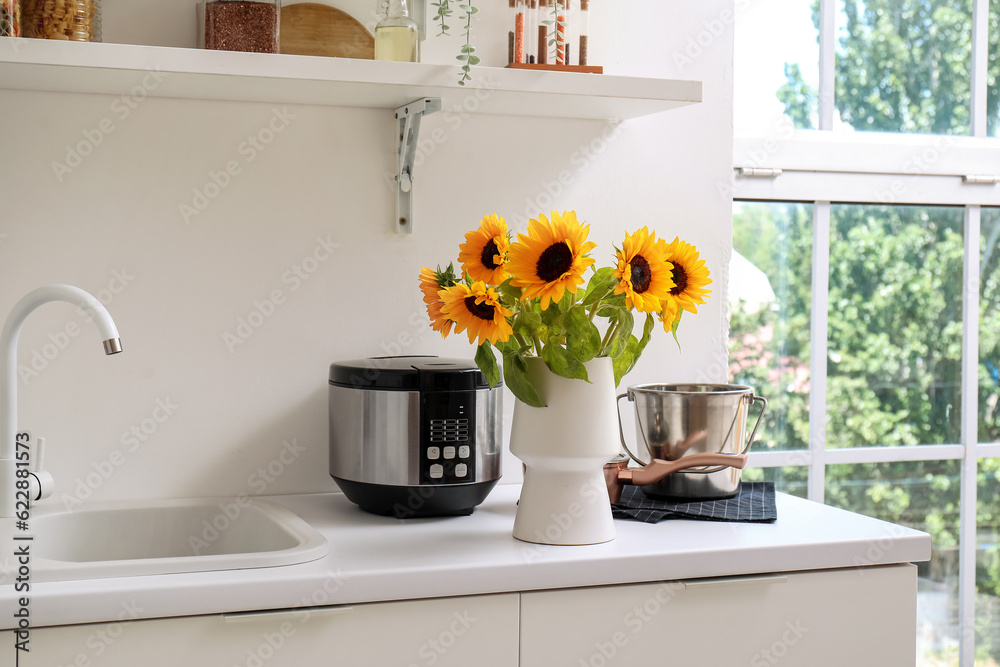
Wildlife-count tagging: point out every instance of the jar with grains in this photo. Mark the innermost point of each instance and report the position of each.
(240, 25)
(73, 20)
(10, 18)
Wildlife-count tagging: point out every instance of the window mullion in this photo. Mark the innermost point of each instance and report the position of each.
(818, 349)
(970, 438)
(827, 62)
(980, 63)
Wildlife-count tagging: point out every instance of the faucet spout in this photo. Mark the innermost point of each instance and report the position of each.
(8, 370)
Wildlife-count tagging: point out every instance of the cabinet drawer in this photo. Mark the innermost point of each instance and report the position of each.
(833, 617)
(442, 632)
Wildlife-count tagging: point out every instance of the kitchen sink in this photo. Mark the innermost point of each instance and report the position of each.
(162, 537)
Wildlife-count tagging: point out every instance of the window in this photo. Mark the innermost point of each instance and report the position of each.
(865, 279)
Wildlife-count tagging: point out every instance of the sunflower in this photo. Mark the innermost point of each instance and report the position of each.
(484, 253)
(643, 272)
(431, 283)
(476, 308)
(551, 258)
(690, 276)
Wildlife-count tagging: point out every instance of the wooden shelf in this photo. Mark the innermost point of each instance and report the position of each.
(120, 69)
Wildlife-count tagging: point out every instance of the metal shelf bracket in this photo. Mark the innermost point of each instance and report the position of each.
(407, 132)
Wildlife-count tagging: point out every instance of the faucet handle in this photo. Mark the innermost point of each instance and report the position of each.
(40, 483)
(39, 455)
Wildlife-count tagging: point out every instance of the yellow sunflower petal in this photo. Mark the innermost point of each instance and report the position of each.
(551, 258)
(690, 276)
(484, 253)
(431, 284)
(477, 311)
(643, 272)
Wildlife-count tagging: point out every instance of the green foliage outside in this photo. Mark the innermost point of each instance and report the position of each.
(895, 294)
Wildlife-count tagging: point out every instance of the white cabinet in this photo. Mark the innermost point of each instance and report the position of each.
(447, 632)
(858, 617)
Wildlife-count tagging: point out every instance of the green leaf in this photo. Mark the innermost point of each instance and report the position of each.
(508, 290)
(515, 373)
(583, 339)
(527, 323)
(487, 363)
(675, 326)
(468, 48)
(626, 360)
(625, 325)
(474, 60)
(552, 316)
(600, 285)
(561, 362)
(612, 311)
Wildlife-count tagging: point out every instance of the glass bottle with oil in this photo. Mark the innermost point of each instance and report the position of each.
(397, 36)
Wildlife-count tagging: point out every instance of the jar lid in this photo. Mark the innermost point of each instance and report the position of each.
(409, 373)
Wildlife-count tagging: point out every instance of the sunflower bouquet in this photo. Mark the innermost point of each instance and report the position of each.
(525, 298)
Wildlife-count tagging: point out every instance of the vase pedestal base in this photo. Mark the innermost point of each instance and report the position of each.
(564, 507)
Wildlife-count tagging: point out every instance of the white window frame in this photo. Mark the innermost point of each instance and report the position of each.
(824, 166)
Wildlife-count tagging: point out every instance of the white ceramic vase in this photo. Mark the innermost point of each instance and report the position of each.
(564, 446)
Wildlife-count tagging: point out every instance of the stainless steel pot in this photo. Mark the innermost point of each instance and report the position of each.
(674, 421)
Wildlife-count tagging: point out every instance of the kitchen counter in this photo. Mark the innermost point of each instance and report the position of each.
(376, 558)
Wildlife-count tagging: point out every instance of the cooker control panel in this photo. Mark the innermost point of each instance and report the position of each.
(447, 434)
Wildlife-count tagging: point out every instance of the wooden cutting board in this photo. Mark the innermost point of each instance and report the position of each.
(311, 29)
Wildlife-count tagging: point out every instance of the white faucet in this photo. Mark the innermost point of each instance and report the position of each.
(8, 372)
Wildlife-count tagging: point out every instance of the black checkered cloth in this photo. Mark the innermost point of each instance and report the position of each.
(754, 503)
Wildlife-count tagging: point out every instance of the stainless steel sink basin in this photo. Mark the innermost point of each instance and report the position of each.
(164, 537)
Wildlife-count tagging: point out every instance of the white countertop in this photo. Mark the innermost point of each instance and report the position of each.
(375, 558)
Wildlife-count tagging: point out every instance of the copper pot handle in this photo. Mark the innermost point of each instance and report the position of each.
(658, 468)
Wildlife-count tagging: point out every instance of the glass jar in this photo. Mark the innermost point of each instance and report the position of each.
(397, 36)
(10, 18)
(68, 20)
(240, 25)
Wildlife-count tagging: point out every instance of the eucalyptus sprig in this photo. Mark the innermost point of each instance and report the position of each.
(556, 27)
(468, 55)
(442, 14)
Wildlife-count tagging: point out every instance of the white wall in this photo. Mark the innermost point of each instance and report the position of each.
(112, 226)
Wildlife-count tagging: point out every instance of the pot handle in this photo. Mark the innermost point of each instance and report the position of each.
(621, 432)
(659, 468)
(760, 418)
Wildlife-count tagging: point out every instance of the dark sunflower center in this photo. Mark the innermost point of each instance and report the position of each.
(641, 275)
(680, 279)
(483, 311)
(489, 252)
(554, 261)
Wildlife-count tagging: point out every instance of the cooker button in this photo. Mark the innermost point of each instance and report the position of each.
(461, 470)
(437, 471)
(463, 452)
(433, 453)
(449, 452)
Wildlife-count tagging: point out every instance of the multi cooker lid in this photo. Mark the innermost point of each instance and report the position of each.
(411, 373)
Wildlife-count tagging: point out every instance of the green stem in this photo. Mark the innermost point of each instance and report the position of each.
(608, 337)
(538, 346)
(593, 310)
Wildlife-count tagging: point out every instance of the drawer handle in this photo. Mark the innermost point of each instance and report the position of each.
(285, 614)
(735, 581)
